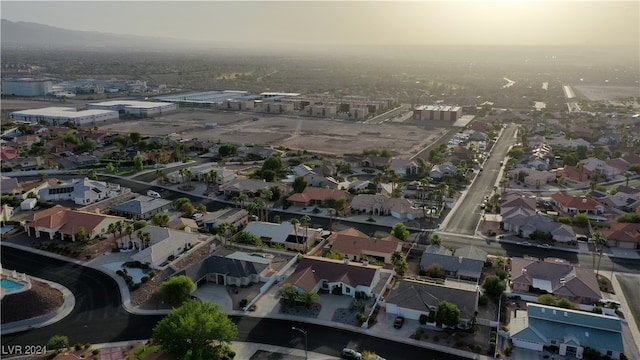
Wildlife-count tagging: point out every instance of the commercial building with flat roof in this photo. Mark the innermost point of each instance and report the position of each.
(208, 98)
(135, 108)
(437, 113)
(26, 87)
(61, 115)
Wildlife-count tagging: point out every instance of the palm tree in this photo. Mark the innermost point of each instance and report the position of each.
(145, 238)
(267, 196)
(504, 183)
(627, 175)
(129, 230)
(394, 177)
(236, 201)
(113, 230)
(251, 208)
(160, 175)
(331, 212)
(120, 228)
(295, 223)
(189, 175)
(242, 198)
(377, 180)
(309, 297)
(305, 220)
(435, 240)
(181, 172)
(580, 167)
(601, 241)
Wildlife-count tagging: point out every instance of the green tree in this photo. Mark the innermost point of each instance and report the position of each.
(515, 153)
(82, 235)
(227, 150)
(570, 159)
(400, 267)
(435, 240)
(161, 219)
(581, 219)
(92, 174)
(187, 209)
(273, 163)
(447, 314)
(135, 137)
(246, 237)
(110, 168)
(547, 299)
(600, 241)
(305, 221)
(629, 218)
(268, 175)
(58, 342)
(299, 184)
(309, 298)
(334, 255)
(137, 163)
(493, 286)
(400, 231)
(581, 152)
(177, 289)
(276, 219)
(565, 303)
(180, 201)
(195, 331)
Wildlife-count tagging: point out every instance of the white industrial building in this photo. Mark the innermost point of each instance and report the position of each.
(26, 87)
(135, 108)
(437, 112)
(61, 115)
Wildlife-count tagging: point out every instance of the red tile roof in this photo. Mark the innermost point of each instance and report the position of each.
(8, 153)
(626, 232)
(316, 194)
(348, 242)
(312, 270)
(66, 220)
(577, 202)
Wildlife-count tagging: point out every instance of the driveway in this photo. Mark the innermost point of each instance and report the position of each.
(216, 294)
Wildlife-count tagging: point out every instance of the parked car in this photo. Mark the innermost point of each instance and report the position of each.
(197, 216)
(544, 246)
(398, 322)
(351, 354)
(524, 243)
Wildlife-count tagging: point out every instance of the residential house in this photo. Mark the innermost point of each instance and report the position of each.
(24, 163)
(141, 208)
(284, 234)
(472, 252)
(337, 277)
(573, 176)
(439, 171)
(227, 271)
(438, 249)
(523, 223)
(623, 235)
(247, 187)
(165, 245)
(571, 331)
(412, 298)
(380, 204)
(600, 167)
(62, 223)
(454, 266)
(257, 152)
(80, 191)
(620, 200)
(572, 205)
(510, 200)
(563, 280)
(358, 246)
(8, 153)
(9, 185)
(236, 217)
(461, 153)
(404, 167)
(181, 223)
(314, 177)
(315, 196)
(563, 142)
(377, 162)
(532, 176)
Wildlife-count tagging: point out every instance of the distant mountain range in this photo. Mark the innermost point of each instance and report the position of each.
(32, 35)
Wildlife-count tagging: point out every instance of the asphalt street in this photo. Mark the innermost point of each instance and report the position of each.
(100, 318)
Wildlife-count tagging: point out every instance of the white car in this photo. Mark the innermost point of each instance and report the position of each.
(544, 246)
(524, 243)
(197, 216)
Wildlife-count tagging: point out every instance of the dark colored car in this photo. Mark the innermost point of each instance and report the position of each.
(398, 322)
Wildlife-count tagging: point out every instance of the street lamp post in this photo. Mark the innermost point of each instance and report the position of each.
(306, 357)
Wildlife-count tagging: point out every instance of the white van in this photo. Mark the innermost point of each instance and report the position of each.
(153, 194)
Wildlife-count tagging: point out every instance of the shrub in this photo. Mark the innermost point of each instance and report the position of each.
(483, 300)
(151, 274)
(95, 351)
(144, 279)
(78, 346)
(243, 303)
(507, 350)
(87, 345)
(423, 319)
(477, 349)
(436, 338)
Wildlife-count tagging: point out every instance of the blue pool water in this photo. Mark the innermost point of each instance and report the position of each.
(10, 285)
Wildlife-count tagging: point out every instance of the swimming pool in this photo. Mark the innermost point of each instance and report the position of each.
(10, 285)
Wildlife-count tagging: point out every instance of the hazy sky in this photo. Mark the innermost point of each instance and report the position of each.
(513, 22)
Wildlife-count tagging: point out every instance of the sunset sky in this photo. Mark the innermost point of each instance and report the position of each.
(513, 22)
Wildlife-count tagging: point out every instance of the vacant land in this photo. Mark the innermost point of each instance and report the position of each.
(312, 134)
(604, 92)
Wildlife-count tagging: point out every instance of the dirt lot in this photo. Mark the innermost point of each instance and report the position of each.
(320, 135)
(604, 92)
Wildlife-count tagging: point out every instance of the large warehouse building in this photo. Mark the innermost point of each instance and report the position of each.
(26, 87)
(135, 108)
(61, 115)
(437, 112)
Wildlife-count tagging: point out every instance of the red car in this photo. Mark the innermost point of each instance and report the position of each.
(398, 323)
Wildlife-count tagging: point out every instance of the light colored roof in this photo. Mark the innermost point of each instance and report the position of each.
(383, 202)
(164, 242)
(67, 221)
(543, 323)
(274, 232)
(132, 104)
(472, 252)
(63, 112)
(141, 205)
